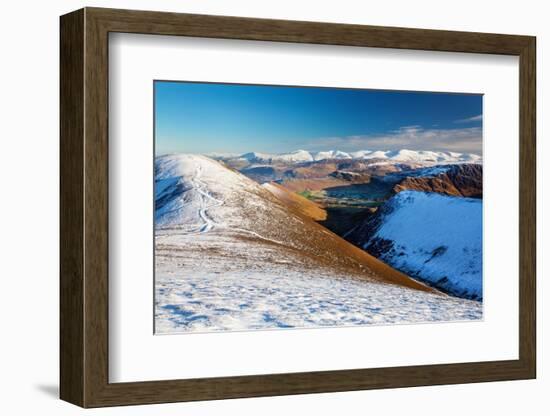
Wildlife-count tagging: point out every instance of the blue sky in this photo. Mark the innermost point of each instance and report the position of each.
(231, 118)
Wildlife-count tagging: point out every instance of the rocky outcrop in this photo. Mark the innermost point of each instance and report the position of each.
(458, 180)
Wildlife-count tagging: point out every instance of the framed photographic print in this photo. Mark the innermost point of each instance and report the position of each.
(256, 207)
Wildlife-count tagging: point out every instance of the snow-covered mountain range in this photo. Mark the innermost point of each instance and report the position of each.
(431, 236)
(396, 156)
(196, 195)
(231, 254)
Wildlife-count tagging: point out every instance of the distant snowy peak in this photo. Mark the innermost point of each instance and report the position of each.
(331, 154)
(296, 156)
(222, 155)
(390, 156)
(418, 156)
(369, 154)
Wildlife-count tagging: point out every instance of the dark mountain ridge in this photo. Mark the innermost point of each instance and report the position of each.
(458, 180)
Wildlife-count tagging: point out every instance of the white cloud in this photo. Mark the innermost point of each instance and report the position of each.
(411, 137)
(470, 119)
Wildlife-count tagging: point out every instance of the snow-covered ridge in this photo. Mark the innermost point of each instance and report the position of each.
(393, 156)
(332, 154)
(434, 237)
(191, 192)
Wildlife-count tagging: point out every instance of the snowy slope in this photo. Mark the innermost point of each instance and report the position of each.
(286, 296)
(230, 255)
(430, 236)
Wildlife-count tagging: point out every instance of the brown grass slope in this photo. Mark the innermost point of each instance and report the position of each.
(327, 248)
(297, 202)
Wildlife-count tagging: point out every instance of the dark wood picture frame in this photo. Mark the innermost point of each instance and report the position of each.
(84, 207)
